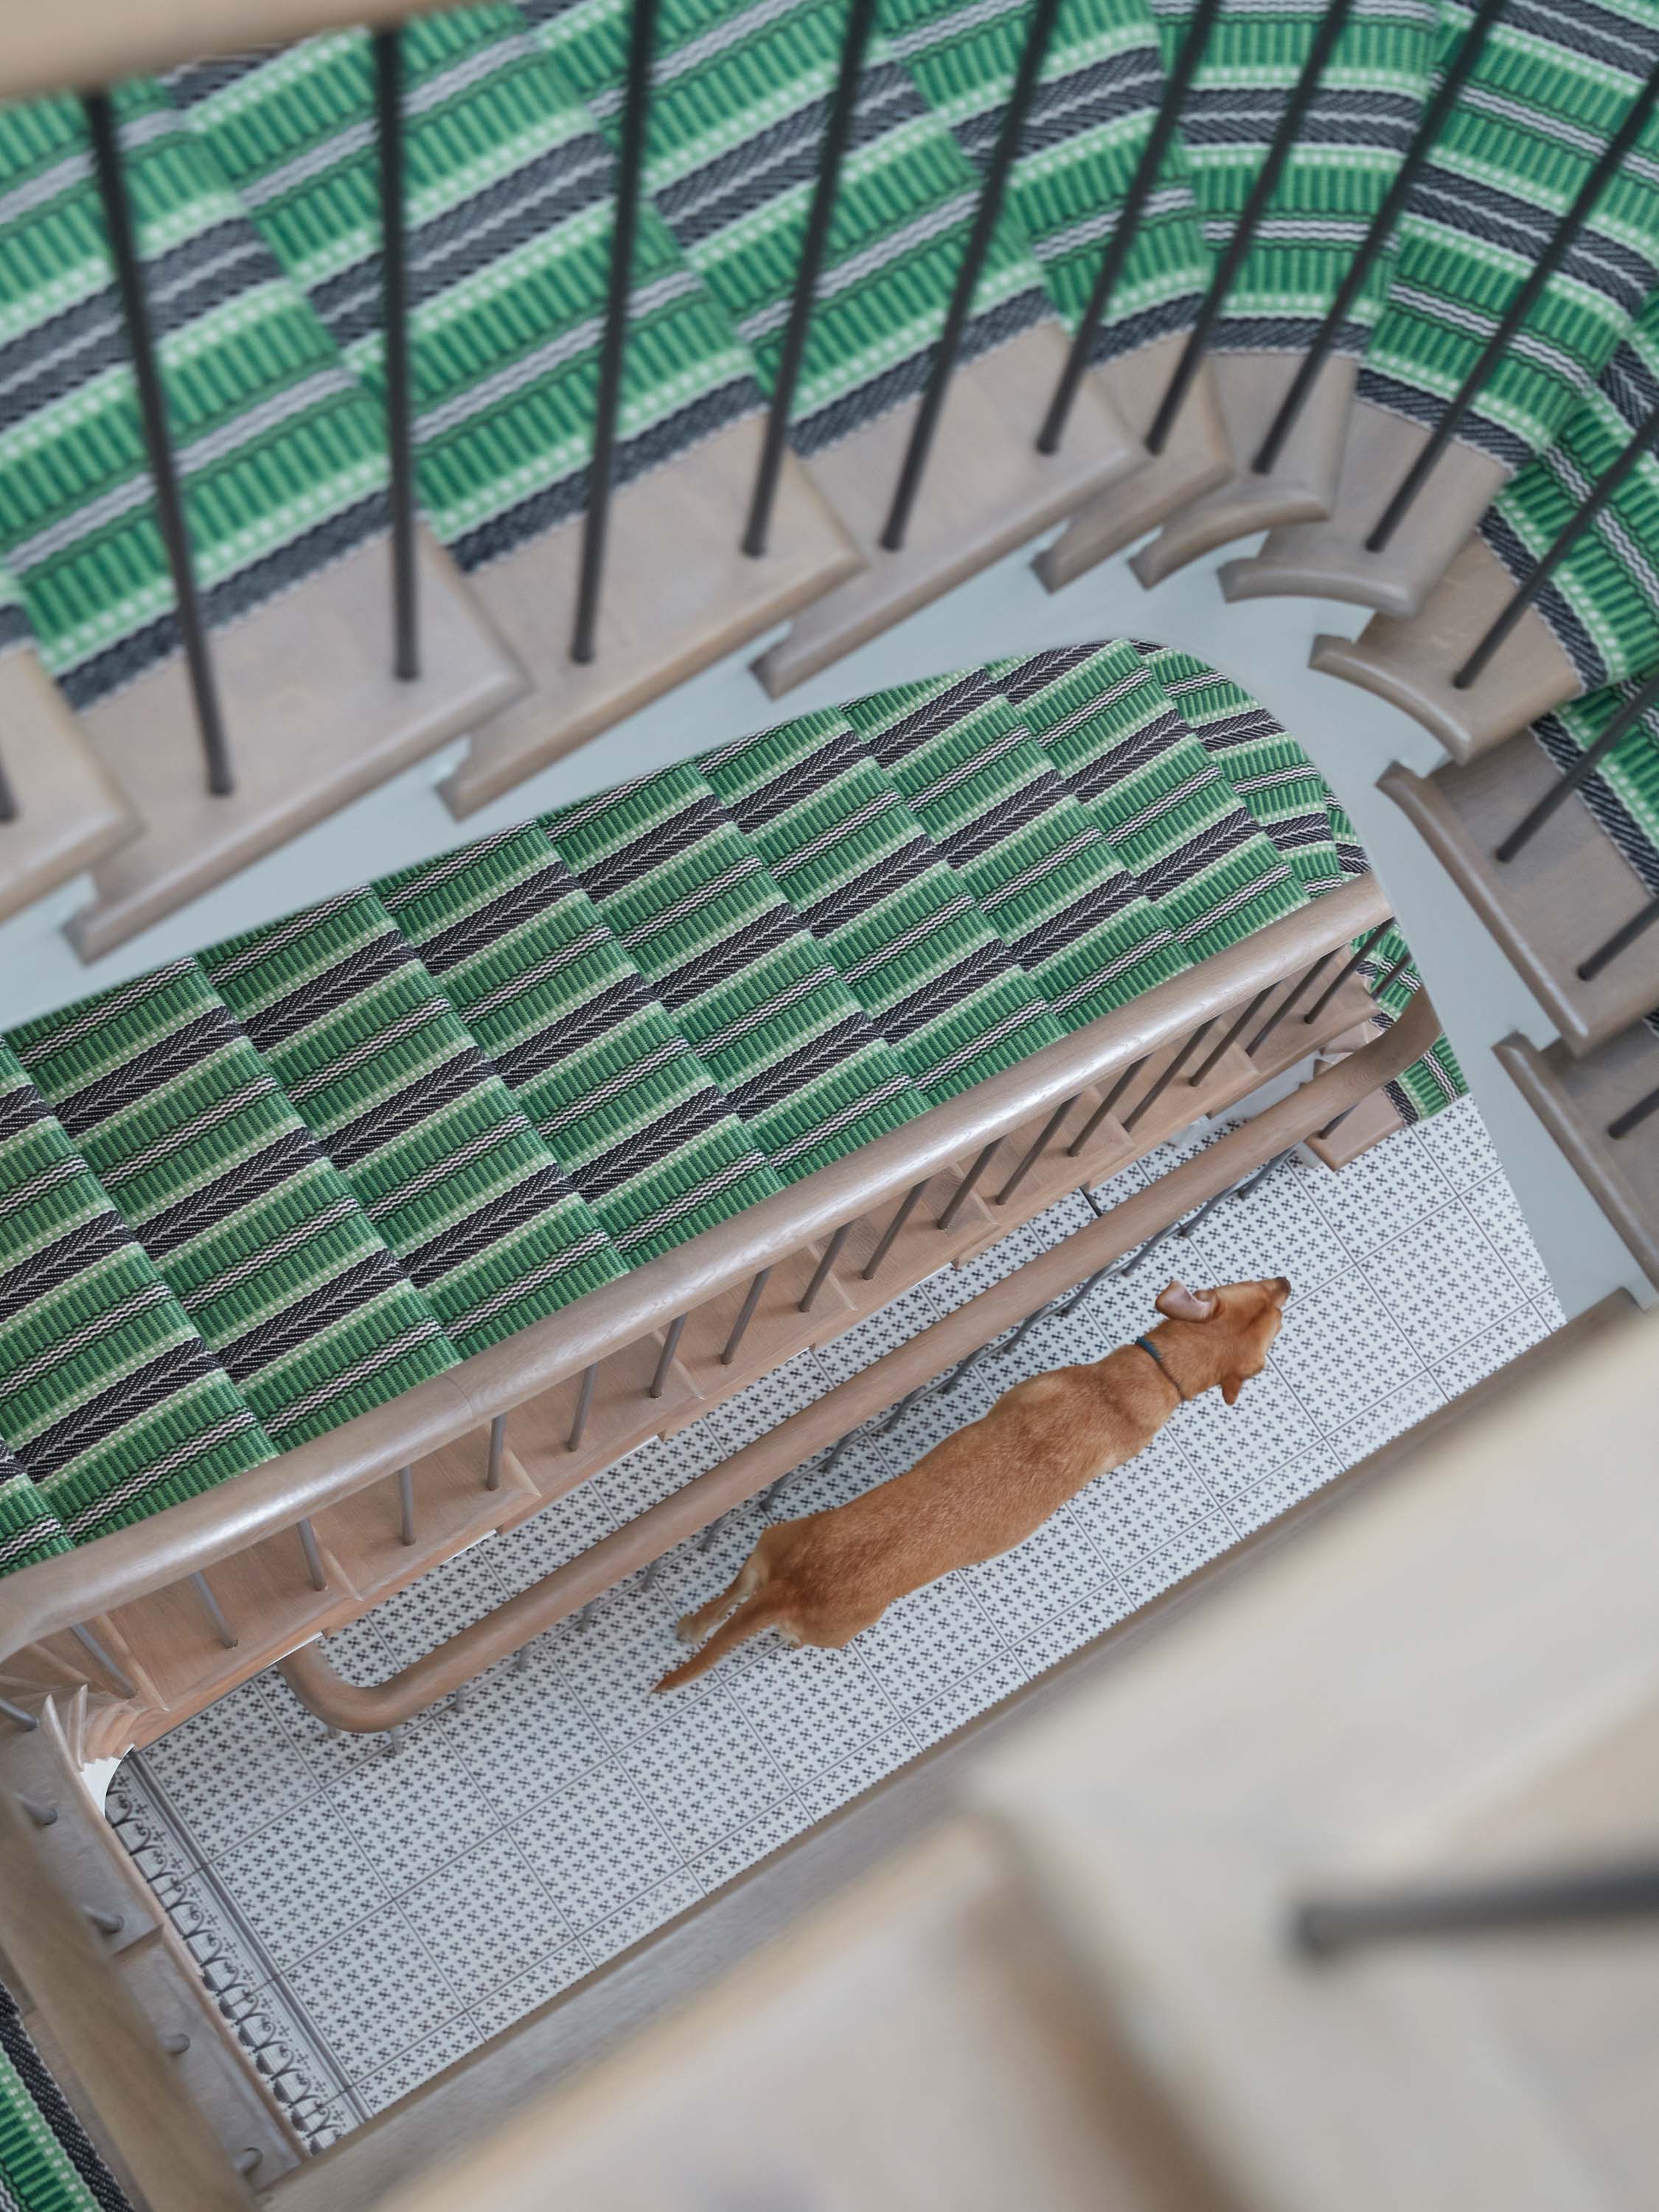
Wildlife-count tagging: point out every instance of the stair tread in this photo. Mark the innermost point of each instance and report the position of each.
(1576, 1099)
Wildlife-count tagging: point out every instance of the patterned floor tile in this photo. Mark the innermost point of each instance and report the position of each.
(562, 1812)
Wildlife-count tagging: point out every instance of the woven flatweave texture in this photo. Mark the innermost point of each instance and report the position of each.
(16, 628)
(47, 2160)
(1282, 790)
(1601, 602)
(241, 1212)
(510, 215)
(431, 1143)
(109, 1398)
(281, 457)
(1097, 94)
(1347, 152)
(1169, 814)
(1428, 1084)
(29, 1529)
(1549, 91)
(902, 927)
(1622, 792)
(1056, 893)
(751, 988)
(738, 102)
(618, 1096)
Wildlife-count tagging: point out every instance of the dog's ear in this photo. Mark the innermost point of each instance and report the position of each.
(1180, 1304)
(1231, 1387)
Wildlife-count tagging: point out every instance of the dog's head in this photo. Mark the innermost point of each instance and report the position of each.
(1245, 1318)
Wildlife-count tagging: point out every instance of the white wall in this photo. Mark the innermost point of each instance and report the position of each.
(1264, 644)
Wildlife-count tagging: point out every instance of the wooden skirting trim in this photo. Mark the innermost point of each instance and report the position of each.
(363, 1708)
(101, 41)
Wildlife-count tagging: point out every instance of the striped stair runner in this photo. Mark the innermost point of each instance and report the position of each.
(48, 2162)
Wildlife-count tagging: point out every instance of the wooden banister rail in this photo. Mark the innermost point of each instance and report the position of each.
(101, 41)
(133, 1562)
(365, 1709)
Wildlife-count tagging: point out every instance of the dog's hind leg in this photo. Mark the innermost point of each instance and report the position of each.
(692, 1627)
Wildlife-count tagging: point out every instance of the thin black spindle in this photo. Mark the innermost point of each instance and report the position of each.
(394, 308)
(964, 1190)
(1633, 1116)
(837, 133)
(1034, 1152)
(1453, 417)
(943, 365)
(1582, 769)
(630, 174)
(894, 1229)
(1547, 563)
(1343, 974)
(1418, 154)
(1106, 1105)
(1622, 940)
(1230, 1036)
(158, 443)
(1133, 1119)
(1305, 983)
(8, 796)
(1127, 226)
(1331, 25)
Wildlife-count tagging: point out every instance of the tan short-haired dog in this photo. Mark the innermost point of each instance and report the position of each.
(822, 1578)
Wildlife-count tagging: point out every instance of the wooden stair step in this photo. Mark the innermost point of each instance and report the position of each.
(313, 717)
(69, 811)
(452, 1509)
(267, 1597)
(921, 1248)
(621, 1414)
(679, 593)
(988, 491)
(776, 1331)
(1196, 459)
(1371, 1123)
(1412, 662)
(1576, 1099)
(1561, 896)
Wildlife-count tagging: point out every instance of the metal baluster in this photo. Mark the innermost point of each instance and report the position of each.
(1128, 1267)
(1331, 25)
(901, 1409)
(965, 1190)
(211, 1606)
(1335, 1123)
(1252, 1182)
(1291, 997)
(1106, 1105)
(1168, 1077)
(837, 132)
(1582, 769)
(84, 1637)
(7, 797)
(954, 1381)
(42, 1814)
(406, 1504)
(1034, 1152)
(1394, 968)
(894, 1229)
(158, 444)
(746, 1315)
(838, 1450)
(175, 2046)
(710, 1535)
(394, 309)
(106, 1923)
(630, 171)
(774, 1491)
(832, 1252)
(1554, 1900)
(1563, 543)
(1351, 968)
(1127, 222)
(1622, 939)
(313, 1557)
(394, 1741)
(1226, 1044)
(1014, 1342)
(1418, 155)
(1197, 1220)
(1081, 1292)
(943, 365)
(584, 1618)
(497, 1452)
(245, 2161)
(1633, 1116)
(671, 1345)
(16, 1713)
(1613, 159)
(584, 1406)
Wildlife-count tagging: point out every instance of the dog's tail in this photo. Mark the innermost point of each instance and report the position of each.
(754, 1616)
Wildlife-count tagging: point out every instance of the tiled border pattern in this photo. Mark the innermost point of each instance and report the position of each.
(367, 1918)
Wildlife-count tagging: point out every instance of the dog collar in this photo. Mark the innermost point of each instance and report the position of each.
(1147, 1345)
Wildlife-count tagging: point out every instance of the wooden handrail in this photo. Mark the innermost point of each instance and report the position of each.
(99, 42)
(132, 1562)
(365, 1708)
